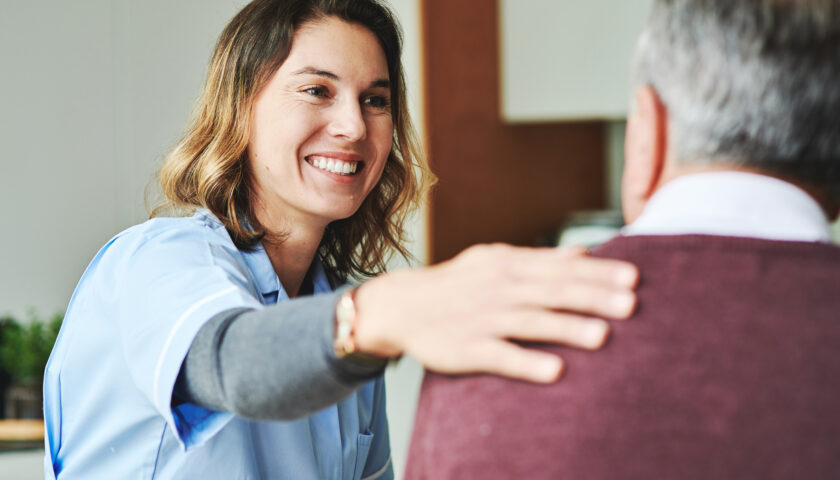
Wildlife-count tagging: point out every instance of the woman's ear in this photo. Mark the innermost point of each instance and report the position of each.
(645, 150)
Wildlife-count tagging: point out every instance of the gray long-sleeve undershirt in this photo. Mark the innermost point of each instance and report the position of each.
(276, 363)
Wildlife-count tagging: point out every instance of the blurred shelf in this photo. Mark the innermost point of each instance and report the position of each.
(21, 431)
(589, 228)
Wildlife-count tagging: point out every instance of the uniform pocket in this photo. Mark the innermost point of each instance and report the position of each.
(363, 442)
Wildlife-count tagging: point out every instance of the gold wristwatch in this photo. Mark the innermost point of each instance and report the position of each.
(345, 324)
(344, 343)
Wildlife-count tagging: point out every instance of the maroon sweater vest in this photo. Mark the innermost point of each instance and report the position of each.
(730, 369)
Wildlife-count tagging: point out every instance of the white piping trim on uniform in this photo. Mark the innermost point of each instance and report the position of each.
(379, 472)
(177, 326)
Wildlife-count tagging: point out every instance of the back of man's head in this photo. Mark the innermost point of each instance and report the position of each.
(753, 84)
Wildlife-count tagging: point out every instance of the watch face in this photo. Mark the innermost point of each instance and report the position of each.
(345, 322)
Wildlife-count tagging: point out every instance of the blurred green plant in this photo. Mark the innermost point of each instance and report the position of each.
(25, 346)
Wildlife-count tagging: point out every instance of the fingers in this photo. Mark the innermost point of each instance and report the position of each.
(572, 251)
(606, 271)
(457, 317)
(553, 327)
(562, 265)
(509, 360)
(569, 264)
(564, 279)
(586, 298)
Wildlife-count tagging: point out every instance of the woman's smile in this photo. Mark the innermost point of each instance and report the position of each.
(338, 167)
(339, 164)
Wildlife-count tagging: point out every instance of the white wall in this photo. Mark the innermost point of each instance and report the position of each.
(94, 93)
(57, 134)
(567, 59)
(162, 49)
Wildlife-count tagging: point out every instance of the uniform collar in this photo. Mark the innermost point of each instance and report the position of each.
(267, 281)
(733, 204)
(263, 273)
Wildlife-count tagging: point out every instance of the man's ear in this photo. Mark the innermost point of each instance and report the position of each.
(645, 151)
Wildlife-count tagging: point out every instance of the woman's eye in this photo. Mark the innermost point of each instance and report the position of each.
(319, 92)
(379, 102)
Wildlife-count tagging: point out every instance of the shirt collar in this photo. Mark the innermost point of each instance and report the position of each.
(263, 271)
(267, 281)
(734, 204)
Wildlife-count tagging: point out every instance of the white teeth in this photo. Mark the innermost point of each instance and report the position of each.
(333, 165)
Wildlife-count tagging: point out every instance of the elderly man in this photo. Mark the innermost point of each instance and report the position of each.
(729, 369)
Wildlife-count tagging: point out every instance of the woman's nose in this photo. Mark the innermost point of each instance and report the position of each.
(348, 121)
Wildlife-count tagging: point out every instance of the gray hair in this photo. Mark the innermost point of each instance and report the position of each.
(752, 83)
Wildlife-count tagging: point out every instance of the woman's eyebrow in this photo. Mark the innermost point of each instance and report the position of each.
(316, 71)
(380, 83)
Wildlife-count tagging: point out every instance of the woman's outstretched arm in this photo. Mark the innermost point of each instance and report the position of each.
(458, 317)
(275, 363)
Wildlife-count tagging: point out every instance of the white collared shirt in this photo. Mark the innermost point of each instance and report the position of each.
(733, 204)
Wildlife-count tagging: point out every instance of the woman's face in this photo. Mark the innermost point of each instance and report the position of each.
(321, 127)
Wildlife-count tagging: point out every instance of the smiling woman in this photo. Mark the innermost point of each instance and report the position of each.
(261, 78)
(222, 344)
(325, 110)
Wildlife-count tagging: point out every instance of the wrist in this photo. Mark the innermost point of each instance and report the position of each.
(372, 326)
(351, 361)
(345, 318)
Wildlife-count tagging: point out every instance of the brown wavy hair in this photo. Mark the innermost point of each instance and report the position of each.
(208, 168)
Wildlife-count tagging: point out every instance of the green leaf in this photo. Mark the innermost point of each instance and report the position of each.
(25, 348)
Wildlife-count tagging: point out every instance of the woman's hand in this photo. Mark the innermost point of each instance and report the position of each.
(459, 316)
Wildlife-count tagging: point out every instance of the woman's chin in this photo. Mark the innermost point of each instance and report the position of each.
(336, 213)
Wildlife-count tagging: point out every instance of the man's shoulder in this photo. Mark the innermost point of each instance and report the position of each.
(724, 331)
(643, 247)
(679, 266)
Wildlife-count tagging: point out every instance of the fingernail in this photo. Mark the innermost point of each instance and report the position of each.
(549, 369)
(598, 331)
(626, 276)
(622, 304)
(562, 369)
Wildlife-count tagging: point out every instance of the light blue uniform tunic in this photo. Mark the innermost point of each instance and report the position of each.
(108, 385)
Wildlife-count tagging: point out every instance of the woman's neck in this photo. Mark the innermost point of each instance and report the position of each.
(291, 258)
(291, 246)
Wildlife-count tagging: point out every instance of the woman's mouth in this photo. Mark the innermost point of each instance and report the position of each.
(334, 165)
